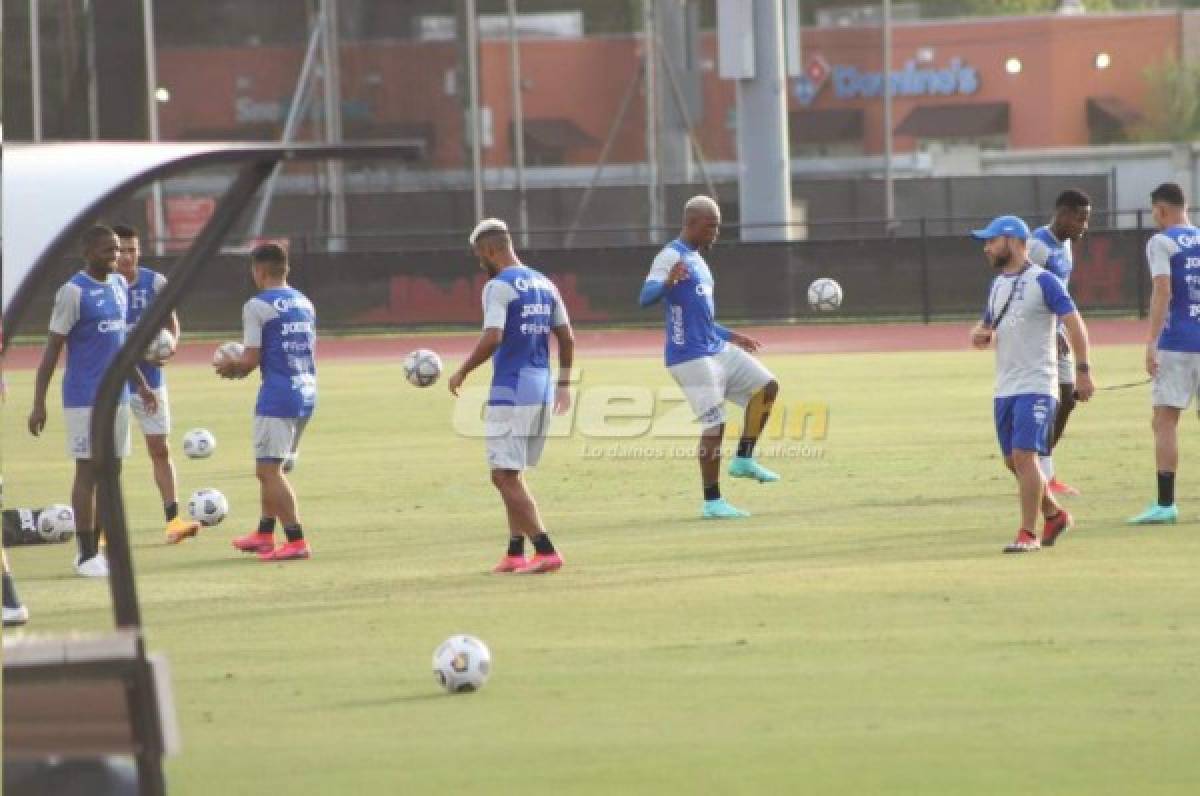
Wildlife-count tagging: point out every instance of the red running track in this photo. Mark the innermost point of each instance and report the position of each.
(806, 339)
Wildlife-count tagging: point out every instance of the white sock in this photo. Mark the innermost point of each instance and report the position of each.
(1047, 465)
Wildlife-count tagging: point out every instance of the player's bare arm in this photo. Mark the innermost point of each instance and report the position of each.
(149, 399)
(566, 359)
(1160, 300)
(239, 368)
(744, 342)
(45, 372)
(981, 336)
(1077, 337)
(489, 341)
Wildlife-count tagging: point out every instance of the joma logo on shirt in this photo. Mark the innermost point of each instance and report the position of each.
(282, 304)
(522, 284)
(1188, 241)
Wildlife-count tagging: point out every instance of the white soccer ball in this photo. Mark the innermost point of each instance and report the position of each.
(824, 295)
(207, 507)
(422, 367)
(227, 352)
(161, 347)
(462, 664)
(199, 443)
(56, 523)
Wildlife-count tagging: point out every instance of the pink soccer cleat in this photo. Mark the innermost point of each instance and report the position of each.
(255, 542)
(541, 563)
(288, 551)
(510, 564)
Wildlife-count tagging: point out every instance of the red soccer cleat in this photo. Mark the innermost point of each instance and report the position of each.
(510, 564)
(541, 563)
(1026, 542)
(1056, 487)
(255, 542)
(288, 551)
(1055, 528)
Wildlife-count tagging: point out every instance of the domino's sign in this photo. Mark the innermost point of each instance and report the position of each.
(849, 82)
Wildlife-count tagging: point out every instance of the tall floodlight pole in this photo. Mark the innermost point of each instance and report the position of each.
(156, 192)
(518, 127)
(764, 184)
(650, 54)
(472, 25)
(35, 75)
(889, 186)
(332, 82)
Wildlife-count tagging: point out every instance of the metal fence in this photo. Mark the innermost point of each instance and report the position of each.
(924, 277)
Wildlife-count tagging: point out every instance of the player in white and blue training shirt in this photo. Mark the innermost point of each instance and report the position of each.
(1173, 347)
(144, 287)
(521, 310)
(1025, 303)
(89, 320)
(699, 356)
(280, 338)
(1051, 247)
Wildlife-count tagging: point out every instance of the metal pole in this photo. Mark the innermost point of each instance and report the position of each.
(764, 170)
(295, 111)
(89, 47)
(35, 76)
(473, 89)
(518, 128)
(156, 192)
(648, 55)
(332, 83)
(889, 188)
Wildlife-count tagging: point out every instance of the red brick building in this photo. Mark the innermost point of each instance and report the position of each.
(1015, 82)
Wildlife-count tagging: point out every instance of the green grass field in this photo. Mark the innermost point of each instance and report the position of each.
(861, 633)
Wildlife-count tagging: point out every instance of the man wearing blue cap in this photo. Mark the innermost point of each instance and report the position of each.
(1025, 304)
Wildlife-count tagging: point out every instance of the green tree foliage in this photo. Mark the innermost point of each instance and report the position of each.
(1172, 102)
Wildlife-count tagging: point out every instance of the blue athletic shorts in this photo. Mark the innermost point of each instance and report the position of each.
(1025, 422)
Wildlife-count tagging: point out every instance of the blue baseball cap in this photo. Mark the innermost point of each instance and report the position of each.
(1003, 227)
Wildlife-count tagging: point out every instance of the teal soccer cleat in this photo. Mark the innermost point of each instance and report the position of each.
(1156, 515)
(746, 467)
(720, 510)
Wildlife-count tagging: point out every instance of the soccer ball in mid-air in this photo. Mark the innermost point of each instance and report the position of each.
(462, 664)
(228, 352)
(161, 347)
(199, 443)
(824, 294)
(56, 523)
(422, 367)
(207, 507)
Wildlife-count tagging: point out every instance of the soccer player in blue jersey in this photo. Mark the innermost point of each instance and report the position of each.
(144, 286)
(1024, 307)
(89, 320)
(521, 310)
(1051, 248)
(1173, 347)
(710, 363)
(280, 339)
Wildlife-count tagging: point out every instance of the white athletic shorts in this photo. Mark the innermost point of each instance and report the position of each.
(516, 435)
(1178, 379)
(275, 438)
(708, 382)
(158, 423)
(78, 421)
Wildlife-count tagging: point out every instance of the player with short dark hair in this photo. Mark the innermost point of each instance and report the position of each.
(521, 310)
(89, 320)
(144, 287)
(1173, 345)
(1051, 247)
(1025, 304)
(280, 339)
(701, 360)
